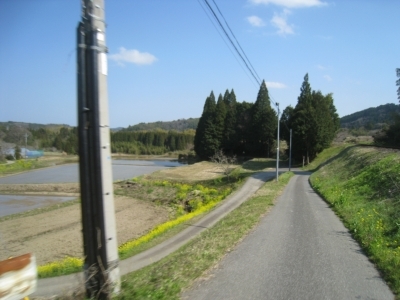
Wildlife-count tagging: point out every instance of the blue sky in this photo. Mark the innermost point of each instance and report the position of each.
(165, 57)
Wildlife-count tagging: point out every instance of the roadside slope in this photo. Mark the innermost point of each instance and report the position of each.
(362, 186)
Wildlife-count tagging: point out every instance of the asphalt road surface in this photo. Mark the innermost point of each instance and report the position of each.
(122, 169)
(300, 250)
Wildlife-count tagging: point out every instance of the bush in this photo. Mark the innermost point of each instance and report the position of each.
(9, 157)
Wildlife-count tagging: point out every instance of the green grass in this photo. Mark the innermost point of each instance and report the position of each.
(325, 156)
(167, 278)
(362, 185)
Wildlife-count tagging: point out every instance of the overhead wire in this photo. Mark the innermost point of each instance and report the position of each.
(230, 40)
(252, 69)
(237, 42)
(230, 49)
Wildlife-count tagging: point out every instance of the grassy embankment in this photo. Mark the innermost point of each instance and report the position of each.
(184, 190)
(362, 185)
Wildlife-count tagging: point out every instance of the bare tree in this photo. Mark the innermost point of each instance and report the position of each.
(225, 162)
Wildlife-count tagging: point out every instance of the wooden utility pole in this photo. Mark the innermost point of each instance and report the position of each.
(97, 196)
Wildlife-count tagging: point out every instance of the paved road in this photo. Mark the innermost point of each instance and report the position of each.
(122, 169)
(301, 250)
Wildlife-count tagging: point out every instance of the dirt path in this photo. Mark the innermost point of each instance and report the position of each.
(55, 234)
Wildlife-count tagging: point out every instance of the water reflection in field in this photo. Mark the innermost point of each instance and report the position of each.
(121, 169)
(12, 204)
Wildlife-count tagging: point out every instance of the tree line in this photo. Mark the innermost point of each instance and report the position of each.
(129, 142)
(236, 128)
(151, 141)
(250, 129)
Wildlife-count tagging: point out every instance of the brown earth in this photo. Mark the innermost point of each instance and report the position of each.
(54, 234)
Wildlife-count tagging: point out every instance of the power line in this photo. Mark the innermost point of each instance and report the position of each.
(244, 53)
(212, 22)
(257, 79)
(230, 40)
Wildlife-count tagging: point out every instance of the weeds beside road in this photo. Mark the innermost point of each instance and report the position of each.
(362, 186)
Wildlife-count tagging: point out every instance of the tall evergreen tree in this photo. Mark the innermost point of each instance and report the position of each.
(285, 125)
(205, 142)
(229, 137)
(314, 122)
(220, 115)
(264, 123)
(242, 128)
(303, 123)
(325, 130)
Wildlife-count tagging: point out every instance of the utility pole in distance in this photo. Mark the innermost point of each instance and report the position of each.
(290, 150)
(398, 83)
(101, 269)
(277, 148)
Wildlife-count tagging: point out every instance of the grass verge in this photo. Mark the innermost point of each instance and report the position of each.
(167, 278)
(362, 186)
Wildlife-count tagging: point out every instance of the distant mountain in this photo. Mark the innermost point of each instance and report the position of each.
(116, 129)
(371, 118)
(33, 125)
(179, 125)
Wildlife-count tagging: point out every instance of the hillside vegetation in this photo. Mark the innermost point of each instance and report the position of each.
(362, 185)
(179, 125)
(371, 118)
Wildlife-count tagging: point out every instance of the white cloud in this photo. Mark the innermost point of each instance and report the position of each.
(291, 3)
(275, 85)
(280, 22)
(320, 67)
(255, 21)
(328, 78)
(133, 56)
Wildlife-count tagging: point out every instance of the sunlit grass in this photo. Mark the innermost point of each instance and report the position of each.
(362, 186)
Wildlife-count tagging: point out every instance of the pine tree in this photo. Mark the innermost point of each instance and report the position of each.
(303, 123)
(205, 142)
(229, 138)
(314, 122)
(242, 128)
(264, 123)
(220, 115)
(285, 125)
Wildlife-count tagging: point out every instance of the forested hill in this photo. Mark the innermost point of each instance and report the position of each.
(371, 118)
(179, 125)
(33, 126)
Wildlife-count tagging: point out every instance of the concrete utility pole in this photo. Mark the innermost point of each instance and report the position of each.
(398, 83)
(290, 150)
(277, 149)
(98, 213)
